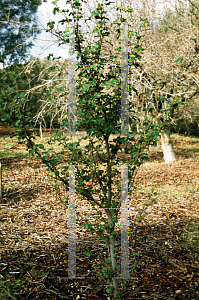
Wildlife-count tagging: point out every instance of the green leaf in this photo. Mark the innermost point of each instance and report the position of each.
(136, 254)
(176, 74)
(179, 59)
(161, 98)
(108, 260)
(97, 95)
(109, 289)
(41, 146)
(89, 255)
(55, 9)
(51, 24)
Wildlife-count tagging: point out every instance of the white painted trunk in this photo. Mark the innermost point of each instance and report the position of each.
(40, 131)
(167, 148)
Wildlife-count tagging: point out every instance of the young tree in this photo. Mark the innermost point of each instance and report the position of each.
(17, 28)
(167, 76)
(97, 162)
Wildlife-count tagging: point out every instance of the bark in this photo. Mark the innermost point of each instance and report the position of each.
(113, 260)
(167, 147)
(41, 135)
(111, 239)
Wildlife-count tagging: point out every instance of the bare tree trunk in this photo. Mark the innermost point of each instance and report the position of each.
(111, 224)
(40, 128)
(113, 259)
(167, 147)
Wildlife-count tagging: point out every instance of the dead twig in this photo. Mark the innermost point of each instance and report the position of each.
(9, 294)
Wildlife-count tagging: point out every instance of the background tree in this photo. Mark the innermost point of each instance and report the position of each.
(165, 71)
(183, 22)
(18, 26)
(43, 83)
(51, 89)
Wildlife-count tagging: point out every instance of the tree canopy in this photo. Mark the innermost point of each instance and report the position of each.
(17, 27)
(41, 81)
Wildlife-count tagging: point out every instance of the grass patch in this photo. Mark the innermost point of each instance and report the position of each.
(190, 238)
(6, 286)
(16, 154)
(9, 148)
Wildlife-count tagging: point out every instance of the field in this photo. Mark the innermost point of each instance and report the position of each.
(163, 245)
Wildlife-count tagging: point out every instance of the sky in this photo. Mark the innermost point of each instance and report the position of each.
(44, 44)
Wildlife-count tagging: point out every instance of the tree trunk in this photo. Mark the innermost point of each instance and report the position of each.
(167, 147)
(40, 128)
(113, 259)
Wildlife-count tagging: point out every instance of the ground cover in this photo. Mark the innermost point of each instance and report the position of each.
(163, 245)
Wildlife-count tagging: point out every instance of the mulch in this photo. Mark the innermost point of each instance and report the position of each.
(163, 246)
